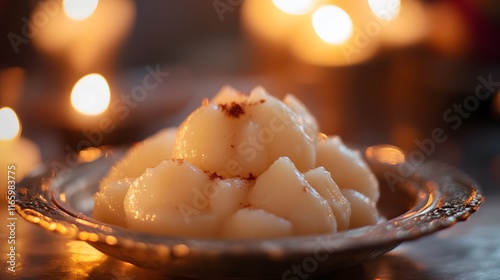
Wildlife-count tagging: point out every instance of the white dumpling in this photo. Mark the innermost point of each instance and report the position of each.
(145, 154)
(240, 166)
(310, 126)
(228, 94)
(255, 223)
(229, 195)
(205, 139)
(171, 199)
(108, 205)
(322, 182)
(347, 167)
(243, 138)
(363, 209)
(282, 190)
(291, 136)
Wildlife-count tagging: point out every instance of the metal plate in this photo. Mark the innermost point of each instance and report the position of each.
(416, 201)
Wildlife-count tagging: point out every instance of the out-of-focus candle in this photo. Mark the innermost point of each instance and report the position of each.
(90, 95)
(79, 9)
(408, 25)
(343, 33)
(329, 16)
(335, 33)
(89, 100)
(17, 154)
(294, 7)
(84, 33)
(274, 21)
(319, 32)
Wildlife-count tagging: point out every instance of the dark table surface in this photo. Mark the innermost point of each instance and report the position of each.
(468, 250)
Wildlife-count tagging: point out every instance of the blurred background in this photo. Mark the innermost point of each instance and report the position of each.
(78, 73)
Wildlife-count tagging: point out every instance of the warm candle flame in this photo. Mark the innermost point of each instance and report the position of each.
(385, 9)
(332, 24)
(79, 9)
(90, 95)
(293, 7)
(10, 128)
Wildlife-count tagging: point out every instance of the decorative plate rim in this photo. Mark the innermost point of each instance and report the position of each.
(445, 196)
